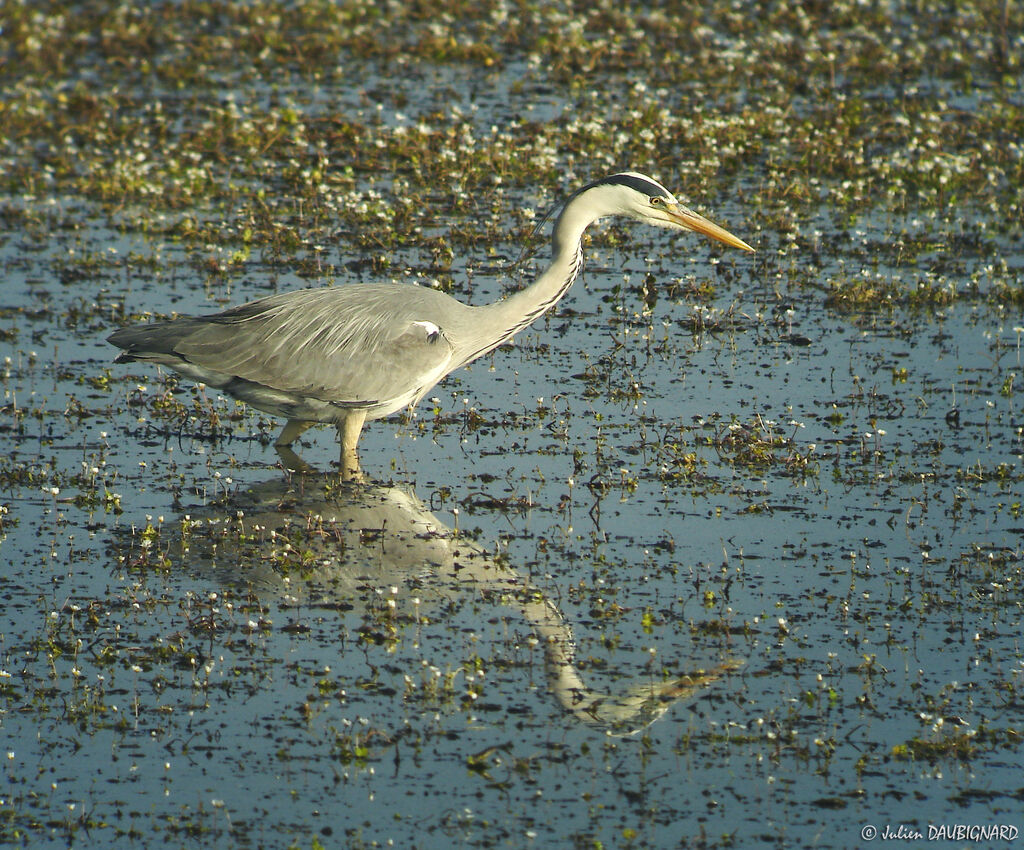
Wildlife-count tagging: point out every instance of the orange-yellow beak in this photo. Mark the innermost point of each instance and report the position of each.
(693, 221)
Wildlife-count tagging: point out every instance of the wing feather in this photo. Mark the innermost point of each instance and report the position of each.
(362, 344)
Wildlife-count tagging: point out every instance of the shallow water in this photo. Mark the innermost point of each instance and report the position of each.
(725, 561)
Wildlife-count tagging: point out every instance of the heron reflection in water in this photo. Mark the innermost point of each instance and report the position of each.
(359, 540)
(343, 355)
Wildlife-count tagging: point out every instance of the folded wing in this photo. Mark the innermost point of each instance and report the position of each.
(358, 346)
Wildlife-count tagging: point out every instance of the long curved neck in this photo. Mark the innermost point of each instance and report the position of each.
(499, 322)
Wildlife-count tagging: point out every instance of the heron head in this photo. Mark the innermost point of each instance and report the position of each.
(647, 200)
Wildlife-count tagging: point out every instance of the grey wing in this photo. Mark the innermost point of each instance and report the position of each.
(359, 345)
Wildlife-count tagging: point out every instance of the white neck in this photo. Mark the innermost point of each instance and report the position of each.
(499, 322)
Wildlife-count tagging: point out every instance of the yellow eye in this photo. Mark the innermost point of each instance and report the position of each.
(655, 201)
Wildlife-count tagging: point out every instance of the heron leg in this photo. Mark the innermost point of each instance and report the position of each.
(293, 429)
(348, 432)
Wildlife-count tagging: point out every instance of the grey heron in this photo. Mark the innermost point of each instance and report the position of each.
(342, 355)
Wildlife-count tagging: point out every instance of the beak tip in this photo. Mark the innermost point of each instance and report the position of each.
(739, 243)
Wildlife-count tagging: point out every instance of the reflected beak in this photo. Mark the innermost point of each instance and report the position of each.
(693, 221)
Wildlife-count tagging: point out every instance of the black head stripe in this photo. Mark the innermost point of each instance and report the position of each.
(633, 181)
